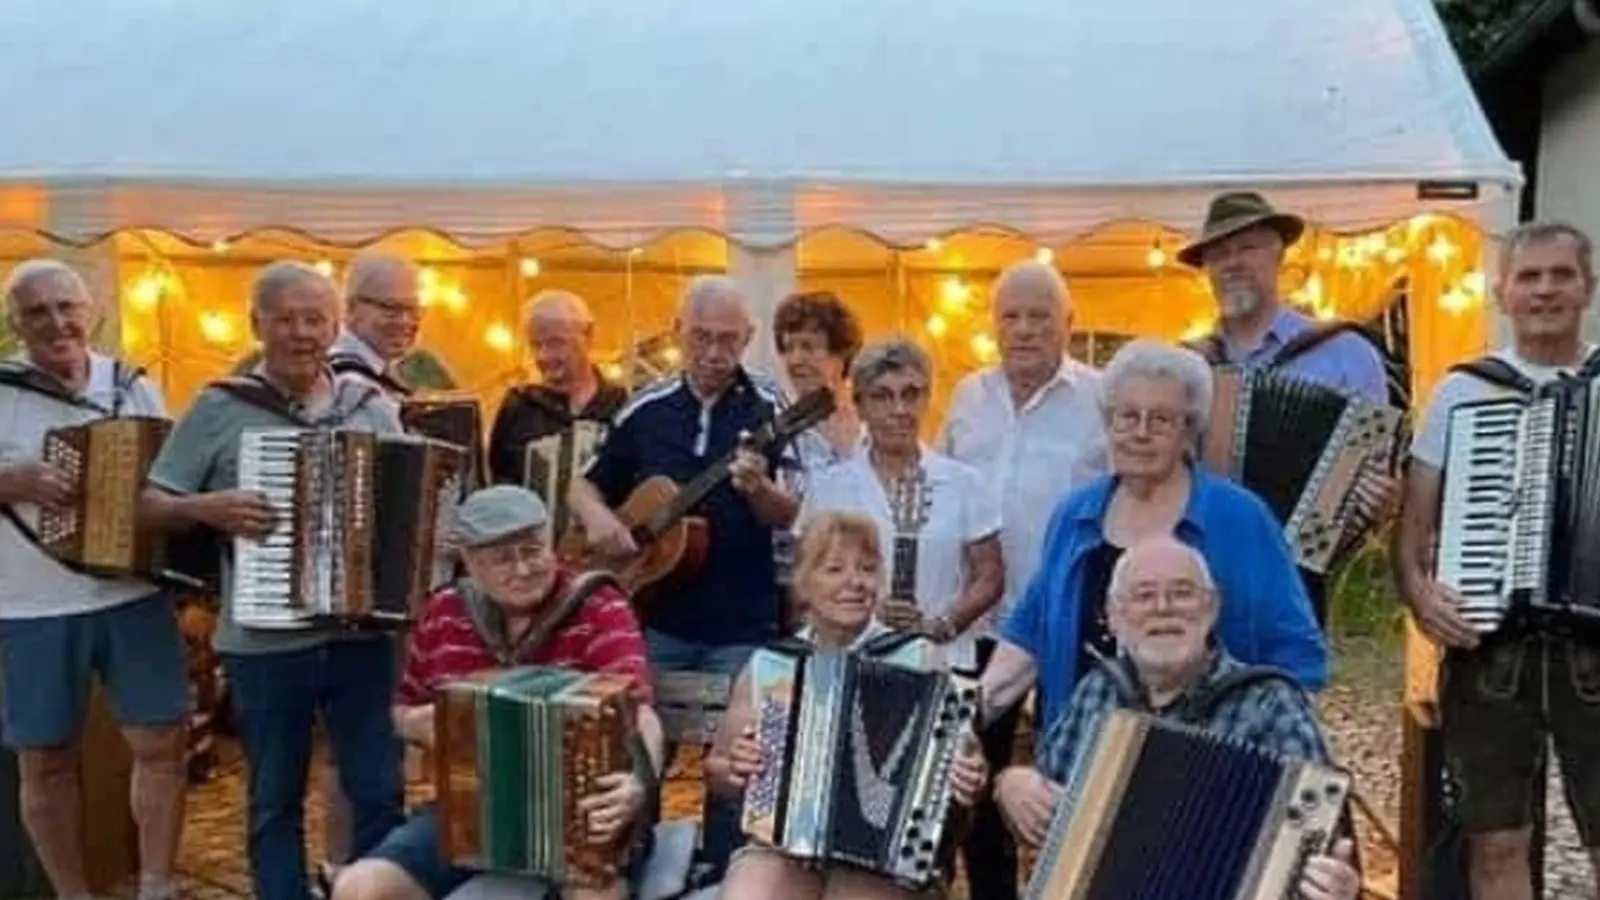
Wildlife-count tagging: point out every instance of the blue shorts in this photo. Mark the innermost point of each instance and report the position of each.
(45, 664)
(414, 847)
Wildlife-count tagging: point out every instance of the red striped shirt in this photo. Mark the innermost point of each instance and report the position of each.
(601, 636)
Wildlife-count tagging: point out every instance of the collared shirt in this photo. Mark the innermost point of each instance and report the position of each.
(201, 455)
(665, 430)
(961, 510)
(33, 584)
(1347, 362)
(1034, 456)
(1269, 715)
(348, 343)
(450, 642)
(1265, 616)
(1460, 387)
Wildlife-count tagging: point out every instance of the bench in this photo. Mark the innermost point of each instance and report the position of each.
(691, 706)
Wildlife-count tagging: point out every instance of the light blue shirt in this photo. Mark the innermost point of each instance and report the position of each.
(1347, 362)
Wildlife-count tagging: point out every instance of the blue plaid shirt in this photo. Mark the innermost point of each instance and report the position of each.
(1268, 714)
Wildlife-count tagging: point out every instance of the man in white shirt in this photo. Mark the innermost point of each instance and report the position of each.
(383, 312)
(1504, 696)
(1032, 426)
(58, 628)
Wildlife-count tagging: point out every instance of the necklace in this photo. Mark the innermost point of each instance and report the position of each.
(874, 787)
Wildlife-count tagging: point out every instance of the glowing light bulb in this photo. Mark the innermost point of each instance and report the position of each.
(454, 298)
(146, 293)
(1198, 329)
(529, 267)
(216, 328)
(1323, 313)
(933, 245)
(953, 294)
(672, 355)
(937, 326)
(219, 246)
(499, 337)
(635, 252)
(325, 267)
(984, 347)
(1455, 302)
(612, 371)
(1394, 255)
(1156, 258)
(1441, 250)
(428, 278)
(1474, 283)
(1044, 256)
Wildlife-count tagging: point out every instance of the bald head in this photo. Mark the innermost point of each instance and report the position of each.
(383, 305)
(559, 329)
(558, 308)
(1032, 315)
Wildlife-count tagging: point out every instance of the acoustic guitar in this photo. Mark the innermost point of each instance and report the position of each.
(672, 543)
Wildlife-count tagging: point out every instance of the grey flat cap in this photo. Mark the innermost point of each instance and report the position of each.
(496, 513)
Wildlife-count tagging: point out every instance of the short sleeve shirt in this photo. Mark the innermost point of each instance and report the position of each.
(1461, 387)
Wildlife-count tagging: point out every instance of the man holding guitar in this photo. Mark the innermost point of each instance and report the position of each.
(681, 467)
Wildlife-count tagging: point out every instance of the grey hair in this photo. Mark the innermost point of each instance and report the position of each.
(1032, 276)
(557, 306)
(711, 290)
(279, 277)
(370, 267)
(1543, 232)
(1157, 360)
(896, 354)
(30, 273)
(1119, 571)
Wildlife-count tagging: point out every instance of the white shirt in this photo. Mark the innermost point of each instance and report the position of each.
(961, 511)
(34, 585)
(1460, 387)
(1033, 456)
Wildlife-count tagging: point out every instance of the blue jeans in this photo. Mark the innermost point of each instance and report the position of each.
(276, 699)
(720, 832)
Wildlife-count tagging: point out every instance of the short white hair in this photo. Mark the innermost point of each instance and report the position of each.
(1120, 571)
(370, 267)
(1160, 361)
(27, 275)
(1032, 276)
(713, 290)
(557, 306)
(279, 277)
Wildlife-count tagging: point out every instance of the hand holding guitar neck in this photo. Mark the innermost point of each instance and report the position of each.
(748, 469)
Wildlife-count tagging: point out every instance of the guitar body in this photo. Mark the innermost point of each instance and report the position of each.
(679, 552)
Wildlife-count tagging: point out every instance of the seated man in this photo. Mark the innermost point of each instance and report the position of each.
(1162, 606)
(517, 607)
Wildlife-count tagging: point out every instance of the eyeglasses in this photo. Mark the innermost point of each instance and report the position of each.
(1180, 595)
(909, 396)
(1126, 420)
(506, 556)
(727, 341)
(393, 307)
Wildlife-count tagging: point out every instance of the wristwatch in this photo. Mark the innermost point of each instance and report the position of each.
(940, 629)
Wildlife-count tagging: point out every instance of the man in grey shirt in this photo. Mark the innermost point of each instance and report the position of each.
(280, 679)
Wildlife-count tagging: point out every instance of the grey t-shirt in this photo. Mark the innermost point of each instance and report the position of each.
(202, 456)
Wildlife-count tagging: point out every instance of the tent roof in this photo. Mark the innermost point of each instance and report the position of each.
(347, 117)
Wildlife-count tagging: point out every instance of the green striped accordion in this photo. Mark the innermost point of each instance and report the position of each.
(515, 750)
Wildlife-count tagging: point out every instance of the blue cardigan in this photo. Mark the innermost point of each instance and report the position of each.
(1265, 616)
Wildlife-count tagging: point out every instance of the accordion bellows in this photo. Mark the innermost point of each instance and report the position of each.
(1160, 811)
(857, 754)
(515, 751)
(106, 461)
(1301, 447)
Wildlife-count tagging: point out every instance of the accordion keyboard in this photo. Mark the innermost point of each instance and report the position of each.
(263, 570)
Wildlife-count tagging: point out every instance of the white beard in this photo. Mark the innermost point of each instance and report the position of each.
(1238, 300)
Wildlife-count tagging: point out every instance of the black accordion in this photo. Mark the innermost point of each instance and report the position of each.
(1519, 525)
(856, 756)
(1157, 810)
(1303, 448)
(358, 515)
(455, 419)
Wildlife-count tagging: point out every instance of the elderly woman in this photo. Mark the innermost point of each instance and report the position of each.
(818, 337)
(938, 515)
(839, 570)
(1156, 400)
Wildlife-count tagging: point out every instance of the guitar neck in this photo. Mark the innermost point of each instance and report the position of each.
(686, 499)
(903, 578)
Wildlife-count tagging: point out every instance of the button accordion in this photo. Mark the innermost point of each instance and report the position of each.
(1303, 448)
(515, 750)
(1153, 809)
(1519, 535)
(453, 419)
(856, 757)
(550, 463)
(357, 518)
(99, 532)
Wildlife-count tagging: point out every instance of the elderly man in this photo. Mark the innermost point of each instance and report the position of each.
(1505, 696)
(1031, 425)
(1241, 249)
(1162, 608)
(382, 314)
(59, 628)
(517, 607)
(676, 428)
(545, 433)
(280, 679)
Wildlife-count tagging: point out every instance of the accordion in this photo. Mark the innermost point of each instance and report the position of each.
(1519, 534)
(856, 760)
(1302, 447)
(453, 419)
(100, 532)
(514, 752)
(1153, 809)
(357, 519)
(550, 463)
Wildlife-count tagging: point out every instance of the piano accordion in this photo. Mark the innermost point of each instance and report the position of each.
(857, 754)
(1153, 809)
(1302, 447)
(550, 463)
(454, 419)
(358, 515)
(515, 751)
(1519, 536)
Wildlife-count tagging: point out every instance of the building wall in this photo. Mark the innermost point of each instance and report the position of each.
(1569, 150)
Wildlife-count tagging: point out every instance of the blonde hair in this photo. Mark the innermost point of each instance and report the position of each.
(828, 530)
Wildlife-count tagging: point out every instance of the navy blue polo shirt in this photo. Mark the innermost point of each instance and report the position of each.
(665, 430)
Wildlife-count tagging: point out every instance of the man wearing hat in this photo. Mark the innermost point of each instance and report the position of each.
(1241, 249)
(516, 607)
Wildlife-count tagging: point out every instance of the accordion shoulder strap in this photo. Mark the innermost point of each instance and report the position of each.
(1314, 337)
(1211, 348)
(1497, 372)
(9, 513)
(888, 642)
(579, 590)
(1591, 365)
(255, 391)
(28, 378)
(344, 362)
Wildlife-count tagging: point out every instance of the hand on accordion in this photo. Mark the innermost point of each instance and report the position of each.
(1027, 802)
(901, 615)
(238, 512)
(1378, 494)
(969, 772)
(1438, 612)
(613, 807)
(1333, 876)
(35, 482)
(744, 758)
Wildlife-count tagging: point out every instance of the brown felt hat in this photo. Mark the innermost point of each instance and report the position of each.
(1234, 212)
